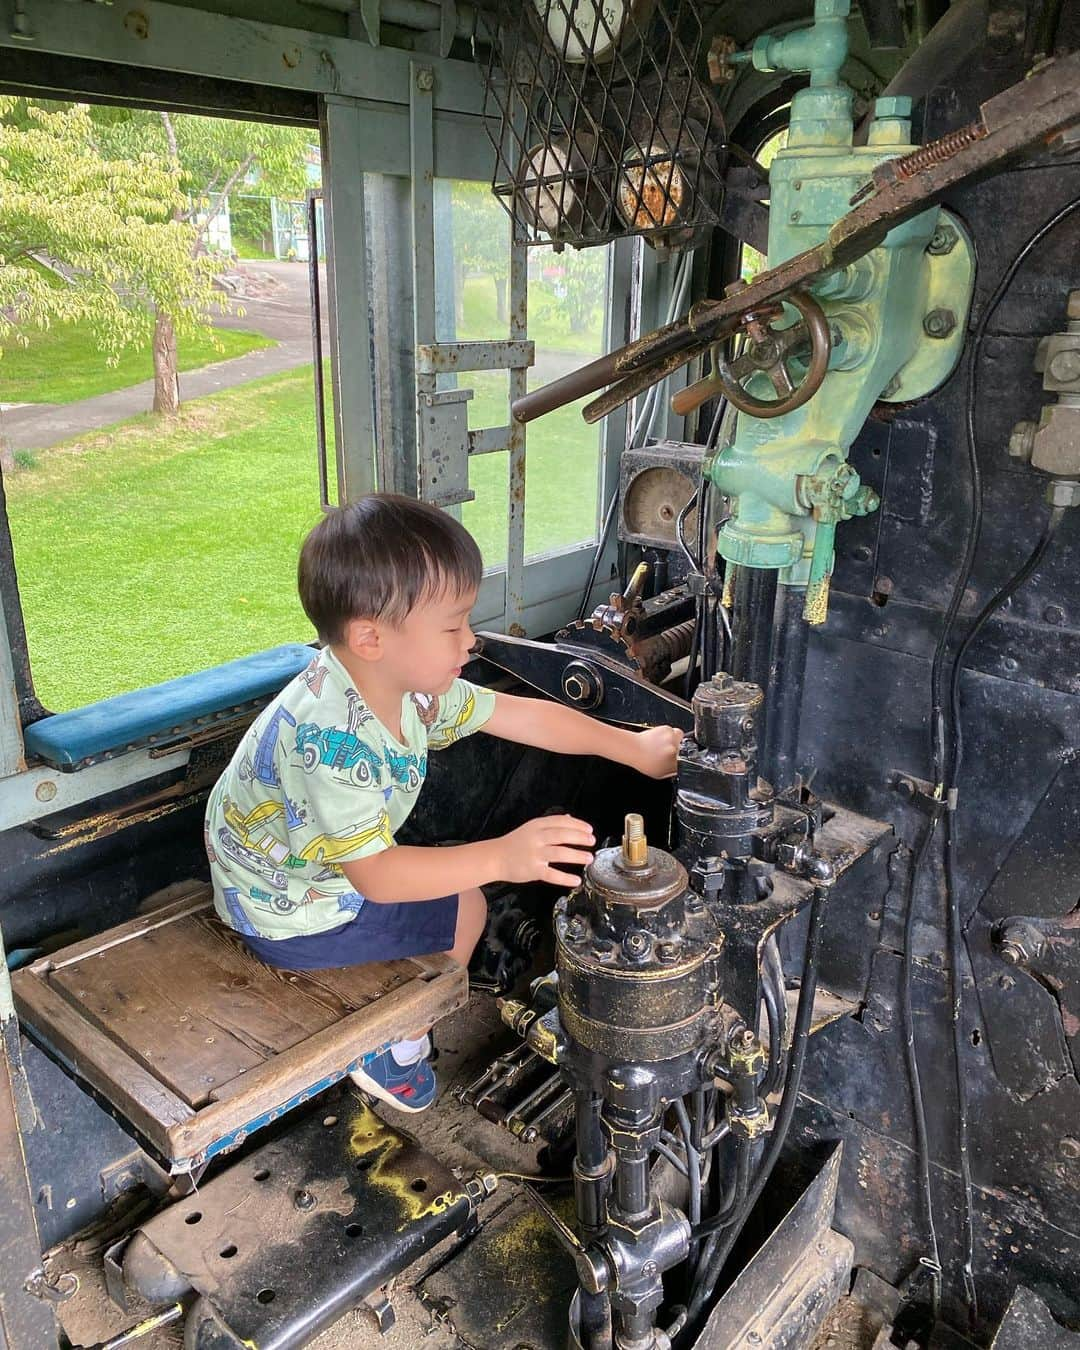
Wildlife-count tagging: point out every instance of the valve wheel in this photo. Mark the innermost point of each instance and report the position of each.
(767, 351)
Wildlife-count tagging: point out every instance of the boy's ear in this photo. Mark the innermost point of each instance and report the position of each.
(363, 639)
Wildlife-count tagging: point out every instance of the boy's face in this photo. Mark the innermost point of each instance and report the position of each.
(425, 653)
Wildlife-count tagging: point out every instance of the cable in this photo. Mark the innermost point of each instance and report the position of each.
(944, 776)
(799, 1041)
(999, 598)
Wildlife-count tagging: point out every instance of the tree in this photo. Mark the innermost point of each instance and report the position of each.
(481, 242)
(88, 236)
(584, 283)
(210, 157)
(103, 219)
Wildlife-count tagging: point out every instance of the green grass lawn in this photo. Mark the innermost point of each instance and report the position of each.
(64, 364)
(150, 550)
(548, 326)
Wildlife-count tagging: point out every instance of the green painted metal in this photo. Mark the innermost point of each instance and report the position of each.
(788, 477)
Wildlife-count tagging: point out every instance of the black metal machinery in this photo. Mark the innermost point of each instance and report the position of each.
(666, 971)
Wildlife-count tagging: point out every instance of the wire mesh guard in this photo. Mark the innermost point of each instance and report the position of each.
(601, 126)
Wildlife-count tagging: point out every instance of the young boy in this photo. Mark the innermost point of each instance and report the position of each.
(300, 827)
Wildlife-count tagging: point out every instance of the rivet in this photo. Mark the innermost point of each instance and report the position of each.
(45, 791)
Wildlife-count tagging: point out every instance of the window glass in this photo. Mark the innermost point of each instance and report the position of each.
(567, 301)
(150, 546)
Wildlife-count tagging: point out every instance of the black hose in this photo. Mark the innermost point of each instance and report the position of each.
(609, 516)
(799, 1042)
(944, 773)
(997, 600)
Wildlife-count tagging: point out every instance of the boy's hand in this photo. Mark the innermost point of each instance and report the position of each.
(655, 751)
(527, 853)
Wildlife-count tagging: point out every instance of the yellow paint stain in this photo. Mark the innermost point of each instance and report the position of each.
(368, 1127)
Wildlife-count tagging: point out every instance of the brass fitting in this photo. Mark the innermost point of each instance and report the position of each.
(746, 1054)
(635, 847)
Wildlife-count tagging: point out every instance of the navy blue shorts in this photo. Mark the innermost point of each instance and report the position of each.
(378, 933)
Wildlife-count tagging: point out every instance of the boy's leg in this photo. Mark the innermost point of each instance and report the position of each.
(401, 1076)
(471, 918)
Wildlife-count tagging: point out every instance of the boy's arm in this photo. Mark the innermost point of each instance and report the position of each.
(404, 873)
(551, 726)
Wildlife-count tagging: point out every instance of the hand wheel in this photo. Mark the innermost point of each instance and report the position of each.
(766, 352)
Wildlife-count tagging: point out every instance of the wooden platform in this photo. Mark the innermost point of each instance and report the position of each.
(196, 1043)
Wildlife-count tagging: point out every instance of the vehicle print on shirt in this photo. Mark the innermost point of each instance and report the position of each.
(237, 918)
(260, 766)
(452, 731)
(281, 903)
(427, 705)
(314, 676)
(327, 848)
(251, 829)
(406, 770)
(247, 858)
(350, 902)
(337, 749)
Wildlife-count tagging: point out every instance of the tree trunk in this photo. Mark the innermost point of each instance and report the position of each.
(166, 375)
(501, 313)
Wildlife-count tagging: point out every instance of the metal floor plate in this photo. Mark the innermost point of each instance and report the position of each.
(284, 1242)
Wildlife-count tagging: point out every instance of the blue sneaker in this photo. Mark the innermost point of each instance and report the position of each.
(409, 1087)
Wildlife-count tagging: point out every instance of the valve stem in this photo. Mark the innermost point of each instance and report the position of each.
(635, 847)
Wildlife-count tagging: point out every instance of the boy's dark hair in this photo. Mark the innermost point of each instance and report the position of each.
(378, 558)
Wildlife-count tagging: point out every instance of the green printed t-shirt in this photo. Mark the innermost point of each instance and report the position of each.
(317, 781)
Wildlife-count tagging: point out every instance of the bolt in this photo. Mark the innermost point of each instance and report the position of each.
(1069, 1148)
(425, 80)
(649, 1269)
(575, 930)
(796, 216)
(635, 944)
(576, 688)
(943, 240)
(304, 1200)
(754, 1337)
(1022, 441)
(1065, 366)
(1053, 614)
(667, 952)
(862, 553)
(892, 105)
(45, 791)
(939, 323)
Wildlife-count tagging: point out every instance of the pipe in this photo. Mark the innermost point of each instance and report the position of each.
(420, 14)
(751, 626)
(590, 1181)
(784, 692)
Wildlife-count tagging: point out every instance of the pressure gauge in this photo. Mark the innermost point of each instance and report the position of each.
(558, 186)
(591, 30)
(653, 192)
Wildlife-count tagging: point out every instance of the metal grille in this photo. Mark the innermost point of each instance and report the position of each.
(603, 126)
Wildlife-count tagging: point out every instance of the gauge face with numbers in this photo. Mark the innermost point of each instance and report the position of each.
(591, 30)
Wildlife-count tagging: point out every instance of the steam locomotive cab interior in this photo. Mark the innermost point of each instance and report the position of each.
(797, 1064)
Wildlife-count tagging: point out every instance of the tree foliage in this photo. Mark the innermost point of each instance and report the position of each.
(93, 236)
(104, 214)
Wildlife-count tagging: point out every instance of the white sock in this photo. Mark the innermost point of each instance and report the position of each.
(408, 1052)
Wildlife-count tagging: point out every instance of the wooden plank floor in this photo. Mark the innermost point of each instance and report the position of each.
(191, 1037)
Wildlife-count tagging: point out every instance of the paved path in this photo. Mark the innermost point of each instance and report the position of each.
(284, 315)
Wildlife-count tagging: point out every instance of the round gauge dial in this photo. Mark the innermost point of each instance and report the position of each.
(591, 30)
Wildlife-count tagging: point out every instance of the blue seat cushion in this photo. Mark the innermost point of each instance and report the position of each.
(163, 712)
